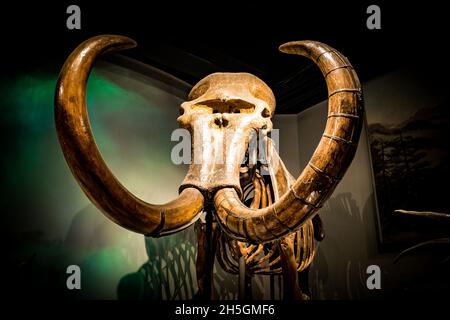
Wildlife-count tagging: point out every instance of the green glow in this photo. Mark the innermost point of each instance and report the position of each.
(133, 135)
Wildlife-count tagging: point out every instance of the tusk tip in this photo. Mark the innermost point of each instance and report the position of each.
(285, 47)
(292, 47)
(289, 47)
(117, 42)
(124, 42)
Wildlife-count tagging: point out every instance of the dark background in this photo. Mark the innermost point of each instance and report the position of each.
(191, 39)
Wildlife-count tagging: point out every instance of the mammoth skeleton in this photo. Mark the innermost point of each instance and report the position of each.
(275, 230)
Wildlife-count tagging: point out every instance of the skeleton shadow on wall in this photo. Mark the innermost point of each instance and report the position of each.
(339, 267)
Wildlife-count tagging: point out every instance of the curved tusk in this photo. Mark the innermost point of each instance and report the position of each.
(327, 166)
(86, 163)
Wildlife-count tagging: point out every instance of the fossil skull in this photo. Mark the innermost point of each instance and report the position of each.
(223, 111)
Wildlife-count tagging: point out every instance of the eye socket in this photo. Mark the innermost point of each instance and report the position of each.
(229, 106)
(265, 113)
(198, 90)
